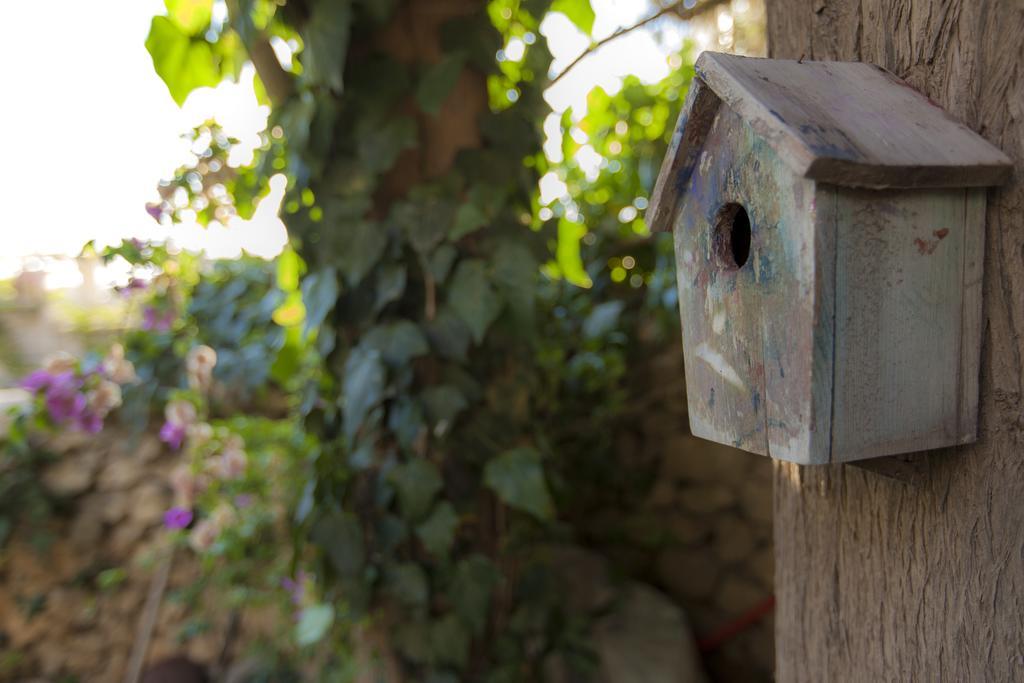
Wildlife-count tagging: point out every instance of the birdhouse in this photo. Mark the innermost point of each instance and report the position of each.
(829, 226)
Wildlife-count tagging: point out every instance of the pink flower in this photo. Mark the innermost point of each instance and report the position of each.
(180, 416)
(117, 367)
(199, 365)
(177, 518)
(204, 535)
(185, 485)
(64, 401)
(230, 464)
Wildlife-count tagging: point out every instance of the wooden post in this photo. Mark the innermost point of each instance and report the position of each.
(877, 579)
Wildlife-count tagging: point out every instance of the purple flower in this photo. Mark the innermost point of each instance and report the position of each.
(155, 211)
(90, 422)
(36, 380)
(243, 500)
(64, 401)
(177, 518)
(154, 320)
(295, 587)
(173, 434)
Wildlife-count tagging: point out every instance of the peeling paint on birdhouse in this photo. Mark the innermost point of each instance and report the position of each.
(829, 227)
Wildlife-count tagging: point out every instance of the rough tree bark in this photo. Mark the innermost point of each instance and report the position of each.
(884, 581)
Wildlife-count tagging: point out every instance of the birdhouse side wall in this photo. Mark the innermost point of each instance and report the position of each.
(749, 333)
(907, 319)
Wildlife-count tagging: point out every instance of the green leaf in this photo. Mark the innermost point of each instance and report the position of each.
(417, 482)
(379, 144)
(449, 335)
(437, 532)
(441, 262)
(517, 476)
(443, 404)
(472, 297)
(390, 285)
(363, 245)
(579, 12)
(319, 295)
(192, 16)
(314, 622)
(602, 319)
(326, 39)
(472, 584)
(405, 420)
(339, 534)
(398, 342)
(182, 62)
(515, 273)
(362, 387)
(438, 81)
(568, 253)
(407, 582)
(468, 218)
(449, 641)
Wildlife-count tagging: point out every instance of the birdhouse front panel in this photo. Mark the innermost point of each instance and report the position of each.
(745, 253)
(829, 230)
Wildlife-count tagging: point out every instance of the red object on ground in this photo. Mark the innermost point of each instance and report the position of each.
(715, 639)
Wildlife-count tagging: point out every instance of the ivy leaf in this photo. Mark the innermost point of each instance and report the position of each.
(449, 335)
(326, 39)
(449, 641)
(472, 297)
(314, 622)
(515, 273)
(417, 482)
(443, 404)
(339, 534)
(579, 12)
(567, 254)
(468, 218)
(405, 420)
(390, 285)
(183, 63)
(192, 16)
(361, 248)
(407, 582)
(398, 342)
(362, 388)
(472, 584)
(438, 80)
(518, 478)
(319, 295)
(441, 262)
(602, 319)
(438, 531)
(379, 144)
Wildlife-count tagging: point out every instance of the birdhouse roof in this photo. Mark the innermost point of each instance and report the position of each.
(843, 123)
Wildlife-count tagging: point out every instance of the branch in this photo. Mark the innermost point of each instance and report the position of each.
(276, 80)
(676, 7)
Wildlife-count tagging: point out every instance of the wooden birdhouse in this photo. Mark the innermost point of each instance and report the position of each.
(829, 228)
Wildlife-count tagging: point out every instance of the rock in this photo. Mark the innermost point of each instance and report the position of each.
(706, 499)
(121, 473)
(584, 575)
(149, 449)
(124, 537)
(149, 501)
(756, 499)
(686, 529)
(116, 507)
(736, 595)
(86, 528)
(72, 475)
(761, 567)
(68, 440)
(646, 639)
(662, 494)
(733, 538)
(687, 574)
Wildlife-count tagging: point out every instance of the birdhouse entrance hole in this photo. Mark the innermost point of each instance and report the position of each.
(732, 236)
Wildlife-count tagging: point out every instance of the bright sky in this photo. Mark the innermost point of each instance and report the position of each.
(90, 129)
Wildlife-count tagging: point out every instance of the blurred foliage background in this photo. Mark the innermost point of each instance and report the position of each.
(430, 377)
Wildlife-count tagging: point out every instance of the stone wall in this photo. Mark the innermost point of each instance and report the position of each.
(72, 597)
(703, 534)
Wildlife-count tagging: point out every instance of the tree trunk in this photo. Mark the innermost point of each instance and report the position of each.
(876, 579)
